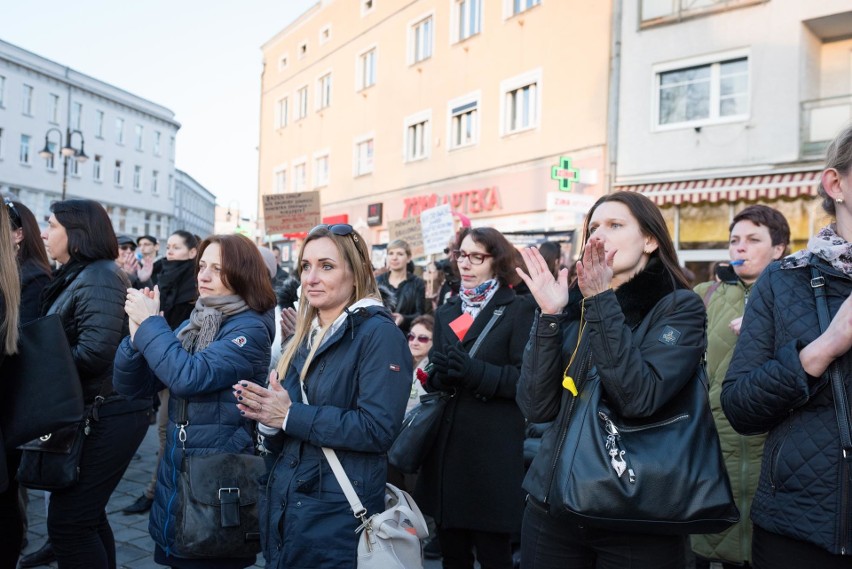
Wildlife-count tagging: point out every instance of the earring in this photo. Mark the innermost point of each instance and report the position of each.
(839, 200)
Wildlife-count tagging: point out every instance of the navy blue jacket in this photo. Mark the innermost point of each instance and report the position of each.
(804, 486)
(357, 386)
(156, 360)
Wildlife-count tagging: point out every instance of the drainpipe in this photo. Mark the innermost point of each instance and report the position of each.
(613, 100)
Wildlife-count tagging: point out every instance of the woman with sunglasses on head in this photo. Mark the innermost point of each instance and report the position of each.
(470, 481)
(419, 342)
(408, 289)
(88, 292)
(346, 375)
(631, 321)
(226, 339)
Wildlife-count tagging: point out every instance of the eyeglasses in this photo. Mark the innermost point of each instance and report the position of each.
(14, 215)
(341, 229)
(126, 247)
(474, 258)
(422, 339)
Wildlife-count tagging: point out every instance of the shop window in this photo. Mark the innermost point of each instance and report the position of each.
(704, 226)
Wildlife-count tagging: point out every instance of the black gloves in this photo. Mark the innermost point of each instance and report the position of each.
(440, 368)
(462, 367)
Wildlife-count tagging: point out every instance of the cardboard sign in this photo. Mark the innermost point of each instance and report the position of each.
(461, 325)
(438, 228)
(291, 213)
(410, 231)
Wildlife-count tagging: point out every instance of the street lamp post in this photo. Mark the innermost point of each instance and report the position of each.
(66, 151)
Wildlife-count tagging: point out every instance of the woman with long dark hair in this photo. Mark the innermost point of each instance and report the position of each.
(226, 339)
(32, 260)
(88, 292)
(471, 480)
(630, 292)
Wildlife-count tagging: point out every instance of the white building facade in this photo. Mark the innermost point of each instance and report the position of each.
(725, 103)
(195, 206)
(129, 142)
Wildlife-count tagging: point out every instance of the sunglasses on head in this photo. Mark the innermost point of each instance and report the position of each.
(340, 229)
(14, 215)
(422, 339)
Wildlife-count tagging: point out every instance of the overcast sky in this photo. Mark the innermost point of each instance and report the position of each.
(201, 59)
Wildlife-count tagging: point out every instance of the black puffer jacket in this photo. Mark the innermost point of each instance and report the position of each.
(410, 297)
(91, 307)
(804, 487)
(647, 339)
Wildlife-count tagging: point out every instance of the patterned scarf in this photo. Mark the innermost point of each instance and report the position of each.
(206, 318)
(828, 246)
(474, 299)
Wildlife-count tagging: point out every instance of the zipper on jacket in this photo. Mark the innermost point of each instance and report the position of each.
(776, 455)
(584, 368)
(174, 485)
(844, 511)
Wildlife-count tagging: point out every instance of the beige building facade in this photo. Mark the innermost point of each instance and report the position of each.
(388, 108)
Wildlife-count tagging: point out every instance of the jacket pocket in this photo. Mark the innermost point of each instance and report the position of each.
(775, 461)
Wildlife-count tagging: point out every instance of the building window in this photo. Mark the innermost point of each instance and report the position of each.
(1, 144)
(303, 103)
(279, 181)
(138, 133)
(73, 167)
(303, 49)
(171, 187)
(77, 116)
(300, 176)
(464, 122)
(325, 34)
(116, 175)
(119, 131)
(324, 91)
(2, 91)
(702, 94)
(282, 62)
(417, 136)
(664, 11)
(321, 171)
(521, 102)
(157, 135)
(155, 183)
(50, 161)
(96, 167)
(363, 156)
(466, 19)
(53, 110)
(137, 178)
(366, 7)
(281, 111)
(99, 124)
(518, 6)
(27, 102)
(420, 38)
(24, 155)
(367, 69)
(172, 148)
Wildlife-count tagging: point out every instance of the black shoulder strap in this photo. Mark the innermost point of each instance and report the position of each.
(494, 317)
(841, 404)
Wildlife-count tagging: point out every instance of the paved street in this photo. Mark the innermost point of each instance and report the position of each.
(134, 548)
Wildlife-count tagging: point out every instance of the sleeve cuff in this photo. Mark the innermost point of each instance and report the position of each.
(269, 431)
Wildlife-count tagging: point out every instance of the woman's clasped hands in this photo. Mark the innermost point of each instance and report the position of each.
(268, 406)
(139, 305)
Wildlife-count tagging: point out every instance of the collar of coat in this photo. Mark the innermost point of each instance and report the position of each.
(637, 296)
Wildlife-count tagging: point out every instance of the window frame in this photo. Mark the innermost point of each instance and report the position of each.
(360, 68)
(119, 131)
(516, 83)
(462, 101)
(283, 61)
(99, 124)
(509, 8)
(25, 150)
(322, 99)
(300, 162)
(413, 44)
(27, 96)
(460, 14)
(367, 7)
(278, 170)
(2, 91)
(356, 157)
(282, 119)
(321, 181)
(53, 109)
(76, 115)
(97, 168)
(714, 61)
(118, 173)
(137, 178)
(139, 136)
(304, 104)
(324, 34)
(302, 50)
(410, 134)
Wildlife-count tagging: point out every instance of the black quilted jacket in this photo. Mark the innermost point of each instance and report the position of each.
(804, 487)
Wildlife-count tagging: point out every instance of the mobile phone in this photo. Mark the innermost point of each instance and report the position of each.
(139, 256)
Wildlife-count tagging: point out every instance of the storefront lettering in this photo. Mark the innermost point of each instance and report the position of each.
(467, 202)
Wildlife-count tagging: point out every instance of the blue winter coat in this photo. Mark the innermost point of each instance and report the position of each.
(357, 387)
(156, 360)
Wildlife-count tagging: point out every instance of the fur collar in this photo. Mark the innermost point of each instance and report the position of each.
(637, 296)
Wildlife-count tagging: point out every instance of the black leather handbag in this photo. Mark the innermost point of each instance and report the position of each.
(52, 462)
(659, 474)
(420, 425)
(217, 513)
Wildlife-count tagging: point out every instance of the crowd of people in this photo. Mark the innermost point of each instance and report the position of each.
(226, 353)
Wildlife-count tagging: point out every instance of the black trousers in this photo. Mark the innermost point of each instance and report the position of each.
(493, 550)
(550, 543)
(11, 523)
(76, 519)
(772, 551)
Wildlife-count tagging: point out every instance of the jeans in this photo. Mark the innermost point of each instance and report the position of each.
(772, 551)
(76, 520)
(550, 543)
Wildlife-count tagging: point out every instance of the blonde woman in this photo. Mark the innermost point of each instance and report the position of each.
(408, 289)
(352, 362)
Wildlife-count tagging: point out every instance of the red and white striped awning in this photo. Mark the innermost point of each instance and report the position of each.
(744, 188)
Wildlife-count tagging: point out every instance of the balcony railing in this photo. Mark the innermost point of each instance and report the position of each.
(821, 121)
(655, 12)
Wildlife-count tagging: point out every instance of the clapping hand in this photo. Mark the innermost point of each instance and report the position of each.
(268, 406)
(139, 305)
(551, 294)
(594, 273)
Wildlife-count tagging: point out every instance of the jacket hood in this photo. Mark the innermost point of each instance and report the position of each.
(637, 296)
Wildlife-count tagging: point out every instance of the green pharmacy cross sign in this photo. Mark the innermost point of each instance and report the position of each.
(565, 174)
